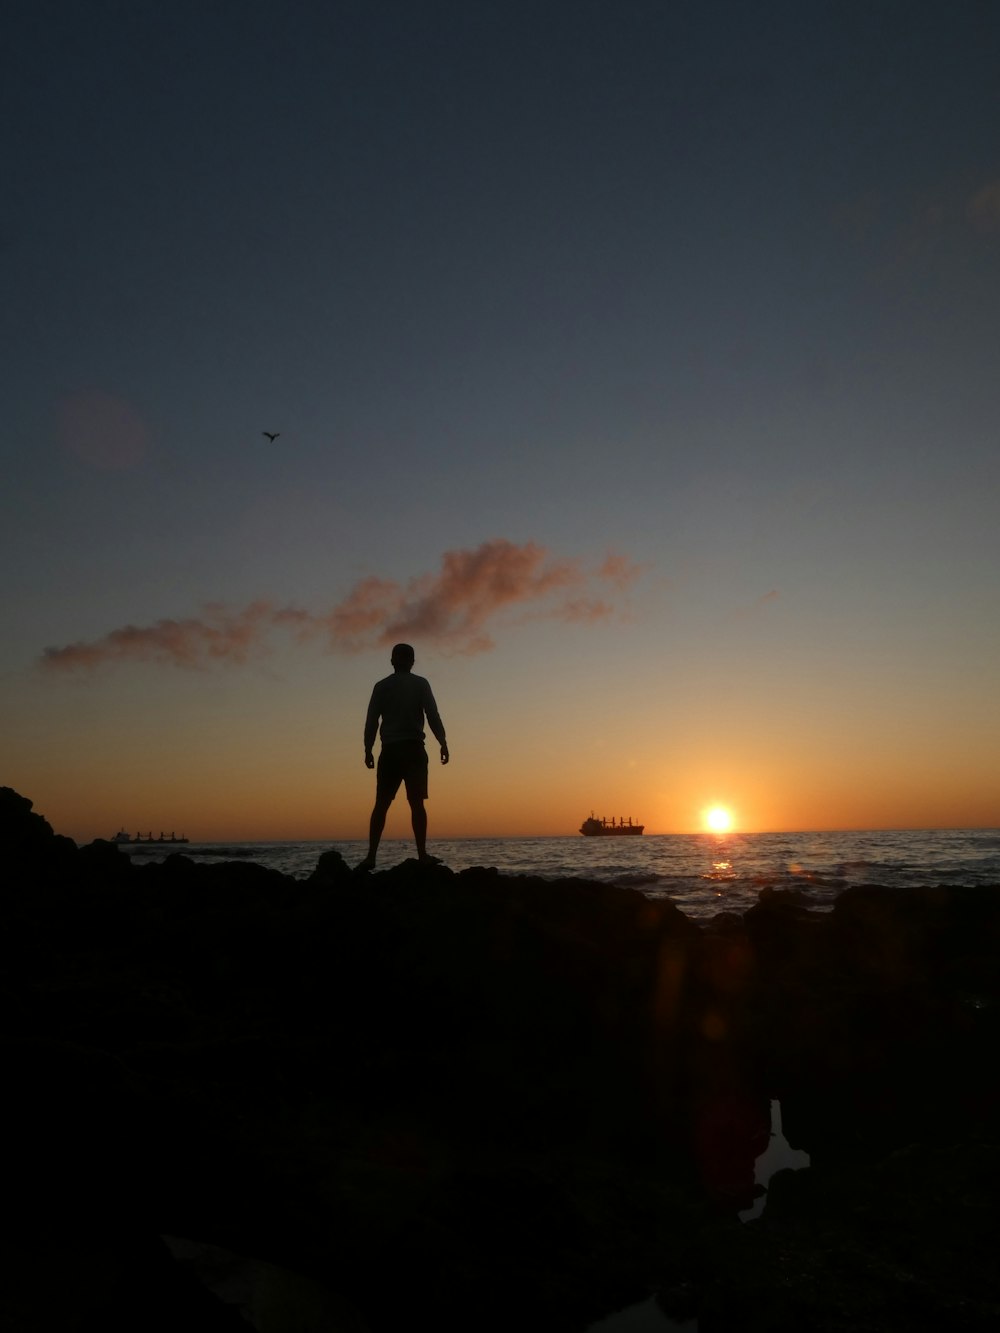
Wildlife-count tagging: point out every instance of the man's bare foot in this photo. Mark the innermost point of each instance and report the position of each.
(367, 864)
(426, 859)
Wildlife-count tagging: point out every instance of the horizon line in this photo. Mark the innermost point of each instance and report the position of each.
(497, 837)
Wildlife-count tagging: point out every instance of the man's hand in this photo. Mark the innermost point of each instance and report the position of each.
(369, 759)
(444, 754)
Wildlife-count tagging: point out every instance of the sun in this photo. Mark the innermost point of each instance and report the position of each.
(718, 819)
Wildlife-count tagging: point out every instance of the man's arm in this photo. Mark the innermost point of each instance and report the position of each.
(435, 723)
(371, 727)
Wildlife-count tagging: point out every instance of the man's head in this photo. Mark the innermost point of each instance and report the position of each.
(403, 657)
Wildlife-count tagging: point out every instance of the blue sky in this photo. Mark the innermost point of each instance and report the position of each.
(710, 287)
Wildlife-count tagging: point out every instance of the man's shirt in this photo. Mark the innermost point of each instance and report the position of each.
(402, 701)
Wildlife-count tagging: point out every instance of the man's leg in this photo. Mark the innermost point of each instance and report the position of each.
(418, 818)
(416, 794)
(375, 826)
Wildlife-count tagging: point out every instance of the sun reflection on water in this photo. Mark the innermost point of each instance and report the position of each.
(721, 870)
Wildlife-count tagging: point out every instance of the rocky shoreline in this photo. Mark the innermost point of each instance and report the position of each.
(475, 1100)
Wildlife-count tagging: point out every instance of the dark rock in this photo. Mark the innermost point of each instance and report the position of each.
(527, 1100)
(19, 827)
(905, 1243)
(103, 862)
(32, 852)
(114, 1285)
(331, 869)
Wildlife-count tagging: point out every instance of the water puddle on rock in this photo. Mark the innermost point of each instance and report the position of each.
(779, 1155)
(647, 1316)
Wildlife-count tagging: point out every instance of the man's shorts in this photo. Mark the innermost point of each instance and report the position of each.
(402, 761)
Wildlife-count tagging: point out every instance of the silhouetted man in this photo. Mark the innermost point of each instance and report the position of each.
(402, 701)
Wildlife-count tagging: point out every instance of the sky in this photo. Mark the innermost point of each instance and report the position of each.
(637, 362)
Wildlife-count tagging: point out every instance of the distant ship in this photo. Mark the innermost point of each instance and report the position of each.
(600, 828)
(122, 837)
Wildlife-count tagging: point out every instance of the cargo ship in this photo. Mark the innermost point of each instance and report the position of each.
(602, 828)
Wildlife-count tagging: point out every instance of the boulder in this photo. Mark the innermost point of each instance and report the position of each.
(331, 870)
(32, 852)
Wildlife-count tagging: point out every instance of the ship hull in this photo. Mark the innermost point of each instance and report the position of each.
(597, 828)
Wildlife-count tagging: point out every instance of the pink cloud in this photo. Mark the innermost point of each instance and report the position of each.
(620, 570)
(472, 587)
(219, 636)
(366, 608)
(585, 610)
(453, 609)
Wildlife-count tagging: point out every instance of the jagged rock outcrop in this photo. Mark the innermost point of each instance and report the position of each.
(32, 852)
(511, 1095)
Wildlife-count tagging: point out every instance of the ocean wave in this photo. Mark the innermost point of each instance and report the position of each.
(636, 879)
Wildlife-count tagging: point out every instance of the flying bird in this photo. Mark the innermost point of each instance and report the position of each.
(271, 435)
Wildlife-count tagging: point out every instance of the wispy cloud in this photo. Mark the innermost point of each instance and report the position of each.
(454, 609)
(218, 635)
(103, 430)
(758, 607)
(620, 570)
(984, 207)
(914, 231)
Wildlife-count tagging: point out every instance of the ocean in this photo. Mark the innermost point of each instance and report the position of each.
(704, 874)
